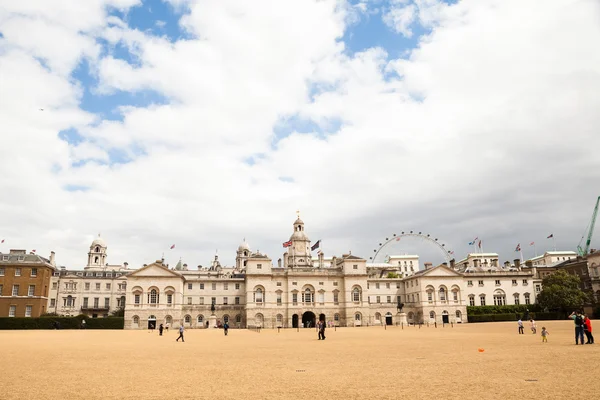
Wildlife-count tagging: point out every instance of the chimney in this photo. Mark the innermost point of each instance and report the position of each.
(285, 259)
(506, 264)
(321, 256)
(333, 262)
(199, 267)
(185, 267)
(476, 262)
(452, 263)
(279, 263)
(63, 268)
(428, 265)
(125, 264)
(517, 263)
(52, 259)
(529, 263)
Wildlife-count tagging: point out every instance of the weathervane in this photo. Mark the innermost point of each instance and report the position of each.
(298, 213)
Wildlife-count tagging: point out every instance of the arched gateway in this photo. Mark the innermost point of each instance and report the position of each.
(309, 319)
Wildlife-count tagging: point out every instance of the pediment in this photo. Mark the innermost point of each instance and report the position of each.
(441, 271)
(155, 270)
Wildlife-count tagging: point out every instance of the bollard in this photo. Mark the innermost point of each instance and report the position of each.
(277, 329)
(452, 324)
(297, 328)
(402, 325)
(335, 328)
(419, 326)
(385, 327)
(435, 323)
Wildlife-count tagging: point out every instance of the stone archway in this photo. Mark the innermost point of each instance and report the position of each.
(309, 319)
(295, 321)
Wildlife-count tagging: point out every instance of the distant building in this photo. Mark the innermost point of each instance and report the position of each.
(551, 258)
(24, 283)
(95, 291)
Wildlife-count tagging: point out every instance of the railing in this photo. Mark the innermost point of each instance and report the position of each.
(94, 308)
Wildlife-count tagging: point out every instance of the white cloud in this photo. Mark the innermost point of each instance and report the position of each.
(487, 129)
(401, 17)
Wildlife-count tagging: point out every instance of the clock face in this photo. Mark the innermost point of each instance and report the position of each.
(299, 247)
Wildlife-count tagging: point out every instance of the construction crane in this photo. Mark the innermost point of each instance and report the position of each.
(583, 251)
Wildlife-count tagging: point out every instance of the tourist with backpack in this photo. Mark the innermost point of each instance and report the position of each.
(578, 319)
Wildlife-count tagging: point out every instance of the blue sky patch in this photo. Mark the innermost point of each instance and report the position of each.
(70, 136)
(76, 188)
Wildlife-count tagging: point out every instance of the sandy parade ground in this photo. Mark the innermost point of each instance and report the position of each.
(366, 363)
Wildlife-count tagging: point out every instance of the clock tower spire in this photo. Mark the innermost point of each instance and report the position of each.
(299, 254)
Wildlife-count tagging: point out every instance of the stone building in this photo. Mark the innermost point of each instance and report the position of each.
(297, 291)
(95, 291)
(24, 283)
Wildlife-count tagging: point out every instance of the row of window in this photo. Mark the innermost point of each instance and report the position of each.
(92, 274)
(18, 272)
(12, 311)
(73, 286)
(499, 299)
(15, 290)
(214, 286)
(308, 296)
(498, 282)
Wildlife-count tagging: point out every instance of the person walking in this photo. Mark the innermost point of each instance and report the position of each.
(160, 329)
(521, 329)
(533, 326)
(578, 319)
(226, 328)
(544, 335)
(180, 334)
(321, 330)
(587, 329)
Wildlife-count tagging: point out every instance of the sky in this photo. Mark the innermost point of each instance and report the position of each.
(203, 122)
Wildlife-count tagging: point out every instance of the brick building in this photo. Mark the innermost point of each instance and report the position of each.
(24, 283)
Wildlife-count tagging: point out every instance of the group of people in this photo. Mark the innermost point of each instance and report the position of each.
(583, 325)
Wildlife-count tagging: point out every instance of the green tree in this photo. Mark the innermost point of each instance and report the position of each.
(561, 292)
(119, 312)
(392, 275)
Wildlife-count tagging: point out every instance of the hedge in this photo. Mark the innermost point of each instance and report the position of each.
(513, 309)
(65, 323)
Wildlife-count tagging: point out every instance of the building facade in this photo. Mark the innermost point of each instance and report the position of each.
(296, 291)
(24, 283)
(96, 291)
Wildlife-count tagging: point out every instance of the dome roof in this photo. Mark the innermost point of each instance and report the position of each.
(299, 221)
(244, 246)
(98, 242)
(299, 235)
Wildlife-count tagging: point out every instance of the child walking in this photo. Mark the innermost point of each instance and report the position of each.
(544, 334)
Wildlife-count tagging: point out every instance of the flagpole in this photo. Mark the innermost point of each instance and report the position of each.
(554, 242)
(534, 249)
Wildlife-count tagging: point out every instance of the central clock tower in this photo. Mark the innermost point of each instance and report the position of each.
(299, 254)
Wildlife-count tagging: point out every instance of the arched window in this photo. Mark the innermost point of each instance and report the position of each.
(136, 319)
(259, 319)
(238, 318)
(442, 294)
(499, 298)
(225, 318)
(377, 317)
(357, 317)
(96, 259)
(200, 319)
(431, 315)
(307, 296)
(153, 296)
(168, 319)
(97, 250)
(258, 295)
(356, 294)
(245, 255)
(187, 319)
(458, 314)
